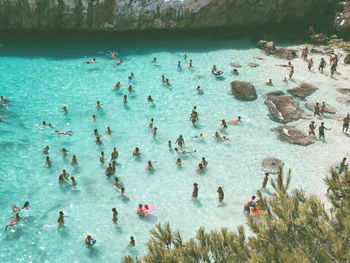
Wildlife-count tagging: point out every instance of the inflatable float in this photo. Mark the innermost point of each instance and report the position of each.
(93, 243)
(218, 73)
(149, 209)
(255, 210)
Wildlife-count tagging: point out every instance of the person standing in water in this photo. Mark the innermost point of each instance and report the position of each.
(220, 194)
(323, 108)
(60, 220)
(346, 122)
(131, 242)
(322, 65)
(291, 72)
(180, 141)
(115, 216)
(310, 63)
(195, 191)
(89, 241)
(312, 128)
(317, 109)
(321, 131)
(266, 178)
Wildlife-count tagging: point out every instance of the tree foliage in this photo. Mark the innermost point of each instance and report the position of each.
(292, 227)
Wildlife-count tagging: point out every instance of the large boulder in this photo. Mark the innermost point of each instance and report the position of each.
(284, 109)
(303, 90)
(319, 39)
(292, 135)
(267, 46)
(344, 91)
(347, 59)
(275, 93)
(285, 53)
(343, 100)
(243, 90)
(272, 165)
(328, 109)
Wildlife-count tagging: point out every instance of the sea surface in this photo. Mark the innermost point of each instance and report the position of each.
(41, 74)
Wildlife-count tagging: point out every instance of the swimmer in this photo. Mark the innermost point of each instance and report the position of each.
(93, 117)
(131, 242)
(114, 165)
(64, 109)
(46, 149)
(109, 170)
(64, 151)
(151, 123)
(115, 216)
(47, 125)
(130, 89)
(195, 191)
(72, 181)
(117, 86)
(223, 125)
(149, 166)
(285, 81)
(60, 220)
(322, 65)
(237, 121)
(185, 56)
(96, 133)
(214, 69)
(114, 154)
(90, 61)
(136, 152)
(321, 130)
(183, 152)
(61, 179)
(169, 144)
(317, 109)
(266, 178)
(125, 99)
(154, 131)
(118, 63)
(98, 140)
(179, 65)
(346, 122)
(269, 83)
(109, 132)
(102, 157)
(99, 105)
(200, 168)
(19, 208)
(220, 194)
(204, 162)
(167, 82)
(113, 56)
(89, 241)
(310, 63)
(63, 132)
(122, 191)
(1, 119)
(154, 60)
(65, 174)
(48, 162)
(235, 71)
(14, 221)
(304, 53)
(323, 107)
(178, 162)
(217, 136)
(149, 99)
(5, 100)
(140, 210)
(194, 117)
(199, 136)
(74, 160)
(163, 79)
(180, 141)
(190, 63)
(199, 90)
(116, 182)
(248, 204)
(131, 76)
(312, 128)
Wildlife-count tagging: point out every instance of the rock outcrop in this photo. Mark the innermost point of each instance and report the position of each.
(303, 90)
(342, 18)
(319, 39)
(292, 135)
(344, 91)
(275, 93)
(272, 165)
(347, 59)
(269, 48)
(343, 100)
(122, 15)
(328, 109)
(243, 90)
(284, 109)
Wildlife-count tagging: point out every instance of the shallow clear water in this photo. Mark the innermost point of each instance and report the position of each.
(42, 75)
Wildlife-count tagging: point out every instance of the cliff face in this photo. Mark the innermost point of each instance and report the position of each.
(122, 15)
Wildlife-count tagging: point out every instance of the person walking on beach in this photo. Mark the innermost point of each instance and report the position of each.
(346, 122)
(266, 178)
(310, 63)
(317, 109)
(321, 130)
(312, 128)
(322, 65)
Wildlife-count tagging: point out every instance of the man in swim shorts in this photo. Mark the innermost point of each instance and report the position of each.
(346, 122)
(248, 204)
(183, 152)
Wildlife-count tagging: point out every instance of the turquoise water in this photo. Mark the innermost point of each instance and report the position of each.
(43, 74)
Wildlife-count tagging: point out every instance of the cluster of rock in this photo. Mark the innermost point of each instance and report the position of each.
(243, 90)
(269, 48)
(292, 135)
(303, 90)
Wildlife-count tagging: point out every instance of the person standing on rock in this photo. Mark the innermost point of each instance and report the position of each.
(310, 63)
(322, 65)
(346, 122)
(312, 128)
(321, 130)
(317, 109)
(266, 178)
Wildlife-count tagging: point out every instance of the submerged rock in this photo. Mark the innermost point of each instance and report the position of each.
(236, 65)
(292, 135)
(347, 59)
(253, 65)
(343, 100)
(284, 109)
(319, 39)
(285, 53)
(275, 93)
(328, 109)
(243, 90)
(303, 90)
(316, 51)
(267, 46)
(272, 165)
(344, 91)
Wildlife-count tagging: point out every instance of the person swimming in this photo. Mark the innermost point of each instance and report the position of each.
(200, 168)
(64, 151)
(46, 149)
(98, 140)
(190, 63)
(131, 242)
(69, 133)
(140, 210)
(312, 128)
(183, 152)
(199, 136)
(118, 63)
(220, 194)
(48, 162)
(14, 221)
(73, 182)
(125, 99)
(115, 215)
(109, 132)
(223, 125)
(136, 152)
(93, 60)
(117, 86)
(149, 99)
(102, 157)
(93, 117)
(204, 162)
(130, 88)
(89, 241)
(99, 105)
(154, 131)
(131, 76)
(237, 121)
(74, 160)
(149, 166)
(60, 219)
(64, 109)
(199, 90)
(178, 162)
(122, 191)
(217, 136)
(114, 154)
(19, 208)
(269, 82)
(195, 191)
(179, 65)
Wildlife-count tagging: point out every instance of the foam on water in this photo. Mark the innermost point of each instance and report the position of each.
(41, 78)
